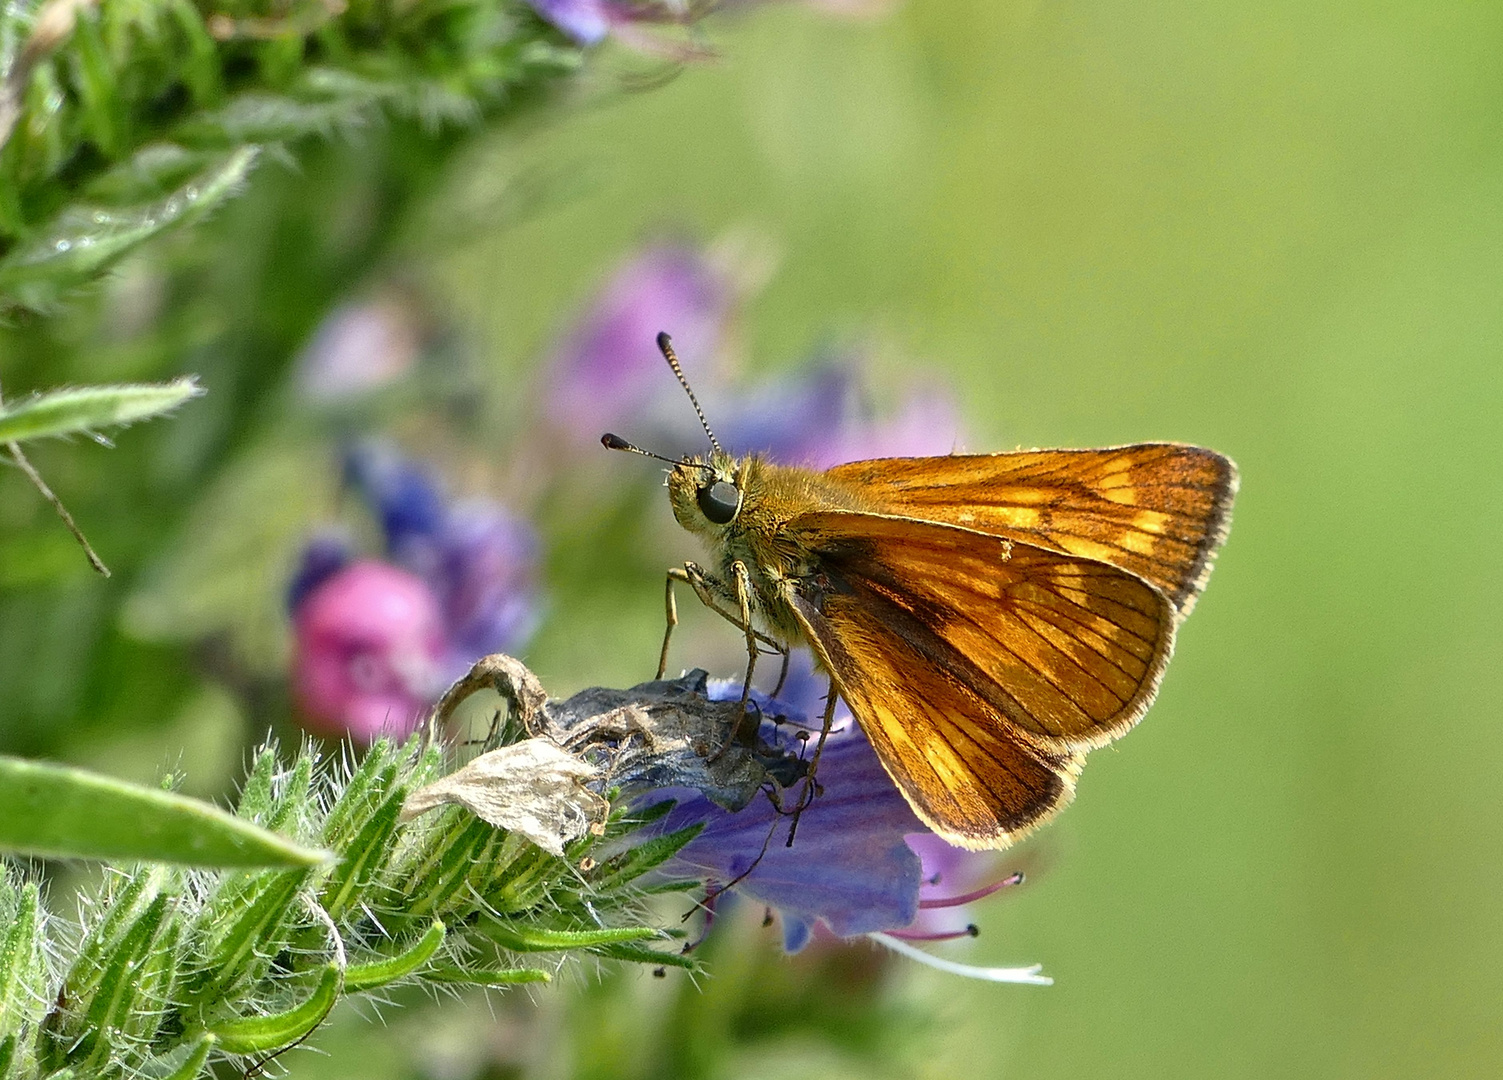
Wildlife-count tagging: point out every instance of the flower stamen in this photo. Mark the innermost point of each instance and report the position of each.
(971, 897)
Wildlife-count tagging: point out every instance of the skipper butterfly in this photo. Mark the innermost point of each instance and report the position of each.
(988, 618)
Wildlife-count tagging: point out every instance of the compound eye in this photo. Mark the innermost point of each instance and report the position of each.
(719, 501)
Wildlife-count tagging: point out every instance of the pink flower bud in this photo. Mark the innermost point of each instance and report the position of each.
(369, 652)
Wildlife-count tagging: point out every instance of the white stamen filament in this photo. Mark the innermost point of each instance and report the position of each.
(1029, 975)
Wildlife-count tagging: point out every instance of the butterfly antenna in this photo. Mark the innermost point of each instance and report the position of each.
(665, 343)
(616, 442)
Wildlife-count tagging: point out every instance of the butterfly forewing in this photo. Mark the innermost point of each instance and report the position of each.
(1157, 510)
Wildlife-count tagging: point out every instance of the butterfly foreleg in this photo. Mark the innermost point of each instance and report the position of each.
(670, 606)
(743, 600)
(708, 589)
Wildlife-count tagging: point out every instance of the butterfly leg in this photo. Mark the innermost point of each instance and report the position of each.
(811, 782)
(707, 589)
(743, 599)
(787, 652)
(670, 606)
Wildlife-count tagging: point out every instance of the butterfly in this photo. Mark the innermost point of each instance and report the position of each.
(987, 618)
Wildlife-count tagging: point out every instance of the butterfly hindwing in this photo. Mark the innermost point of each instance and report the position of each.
(1157, 510)
(1064, 649)
(980, 668)
(970, 779)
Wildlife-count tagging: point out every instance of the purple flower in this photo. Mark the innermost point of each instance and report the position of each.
(849, 868)
(360, 346)
(609, 370)
(479, 560)
(586, 21)
(369, 651)
(821, 419)
(589, 22)
(953, 880)
(861, 862)
(378, 642)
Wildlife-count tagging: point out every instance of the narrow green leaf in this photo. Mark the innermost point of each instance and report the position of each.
(452, 865)
(102, 114)
(256, 117)
(636, 861)
(379, 973)
(57, 811)
(7, 1054)
(364, 791)
(292, 803)
(90, 408)
(201, 70)
(19, 960)
(249, 940)
(103, 939)
(628, 820)
(255, 796)
(119, 988)
(508, 977)
(262, 1034)
(539, 939)
(82, 242)
(157, 976)
(638, 954)
(363, 857)
(191, 1065)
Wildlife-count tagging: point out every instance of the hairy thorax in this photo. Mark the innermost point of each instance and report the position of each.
(773, 498)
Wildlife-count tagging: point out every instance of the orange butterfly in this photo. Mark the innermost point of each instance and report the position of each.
(988, 618)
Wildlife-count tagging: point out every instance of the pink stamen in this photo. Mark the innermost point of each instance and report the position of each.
(971, 930)
(972, 897)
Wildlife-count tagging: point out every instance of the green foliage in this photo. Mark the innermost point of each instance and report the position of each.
(172, 968)
(56, 811)
(89, 408)
(122, 120)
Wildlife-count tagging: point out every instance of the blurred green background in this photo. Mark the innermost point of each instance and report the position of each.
(1275, 229)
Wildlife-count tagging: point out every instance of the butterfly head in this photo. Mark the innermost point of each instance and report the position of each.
(706, 490)
(706, 493)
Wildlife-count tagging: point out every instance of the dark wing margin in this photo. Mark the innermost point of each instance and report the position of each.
(1158, 510)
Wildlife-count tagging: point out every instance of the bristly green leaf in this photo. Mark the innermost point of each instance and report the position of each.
(88, 409)
(378, 973)
(522, 938)
(362, 857)
(631, 864)
(132, 896)
(22, 975)
(245, 947)
(262, 1034)
(61, 812)
(638, 954)
(81, 242)
(364, 791)
(483, 977)
(188, 1065)
(256, 794)
(119, 991)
